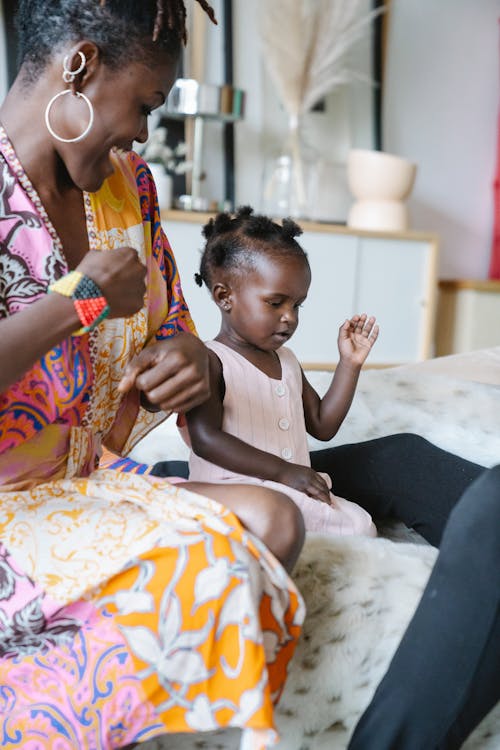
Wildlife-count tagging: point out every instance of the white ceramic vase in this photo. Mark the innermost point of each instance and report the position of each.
(381, 183)
(164, 185)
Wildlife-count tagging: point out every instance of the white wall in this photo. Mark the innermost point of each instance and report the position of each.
(441, 104)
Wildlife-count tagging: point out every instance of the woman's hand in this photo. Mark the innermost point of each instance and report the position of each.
(306, 480)
(356, 338)
(121, 277)
(172, 374)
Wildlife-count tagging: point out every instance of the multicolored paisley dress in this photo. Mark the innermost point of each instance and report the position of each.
(129, 607)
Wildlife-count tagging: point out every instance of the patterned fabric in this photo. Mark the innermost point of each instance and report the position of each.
(110, 460)
(129, 607)
(58, 388)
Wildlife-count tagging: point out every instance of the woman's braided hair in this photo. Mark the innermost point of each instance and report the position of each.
(234, 241)
(122, 29)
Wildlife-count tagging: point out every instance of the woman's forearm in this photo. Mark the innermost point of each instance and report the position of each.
(31, 333)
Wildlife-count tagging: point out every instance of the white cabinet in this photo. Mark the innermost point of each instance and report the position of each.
(187, 242)
(333, 262)
(397, 282)
(392, 276)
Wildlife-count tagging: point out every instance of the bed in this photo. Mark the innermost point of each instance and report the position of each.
(361, 593)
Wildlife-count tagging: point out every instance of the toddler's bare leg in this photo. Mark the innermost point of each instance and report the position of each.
(268, 514)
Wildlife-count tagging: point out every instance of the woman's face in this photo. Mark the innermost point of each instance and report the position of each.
(122, 100)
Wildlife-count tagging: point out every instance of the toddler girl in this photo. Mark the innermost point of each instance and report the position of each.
(254, 427)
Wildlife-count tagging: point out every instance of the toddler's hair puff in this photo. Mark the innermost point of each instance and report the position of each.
(234, 240)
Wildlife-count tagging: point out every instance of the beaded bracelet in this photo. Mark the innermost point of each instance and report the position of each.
(89, 301)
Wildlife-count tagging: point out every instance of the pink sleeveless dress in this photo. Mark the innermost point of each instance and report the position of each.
(268, 414)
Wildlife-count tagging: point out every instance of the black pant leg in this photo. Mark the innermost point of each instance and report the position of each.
(171, 469)
(443, 678)
(400, 476)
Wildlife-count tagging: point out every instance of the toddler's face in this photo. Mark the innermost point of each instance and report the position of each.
(265, 301)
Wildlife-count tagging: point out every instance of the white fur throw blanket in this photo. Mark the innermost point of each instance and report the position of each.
(361, 593)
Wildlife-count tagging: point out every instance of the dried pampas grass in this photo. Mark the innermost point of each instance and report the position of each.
(305, 45)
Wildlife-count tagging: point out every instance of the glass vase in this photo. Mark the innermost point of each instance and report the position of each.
(290, 178)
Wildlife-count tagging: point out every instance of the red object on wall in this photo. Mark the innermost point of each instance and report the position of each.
(495, 247)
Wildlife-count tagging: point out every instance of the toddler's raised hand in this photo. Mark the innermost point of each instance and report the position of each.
(306, 480)
(356, 338)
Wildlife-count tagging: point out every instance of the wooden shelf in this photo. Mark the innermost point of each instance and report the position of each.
(467, 309)
(478, 285)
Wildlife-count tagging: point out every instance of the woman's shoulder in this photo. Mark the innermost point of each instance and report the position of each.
(133, 171)
(131, 165)
(138, 163)
(133, 162)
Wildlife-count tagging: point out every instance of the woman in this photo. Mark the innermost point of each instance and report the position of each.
(129, 607)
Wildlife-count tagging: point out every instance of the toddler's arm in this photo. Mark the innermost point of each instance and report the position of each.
(210, 442)
(324, 416)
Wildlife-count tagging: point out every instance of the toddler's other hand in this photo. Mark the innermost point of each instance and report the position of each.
(306, 480)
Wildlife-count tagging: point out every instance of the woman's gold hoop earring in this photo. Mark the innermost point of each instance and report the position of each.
(69, 76)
